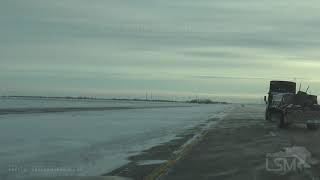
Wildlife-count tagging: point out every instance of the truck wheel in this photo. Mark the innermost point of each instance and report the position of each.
(312, 126)
(281, 121)
(268, 116)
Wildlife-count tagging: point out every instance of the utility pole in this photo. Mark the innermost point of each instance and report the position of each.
(146, 95)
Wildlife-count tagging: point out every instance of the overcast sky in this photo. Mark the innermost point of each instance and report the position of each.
(174, 48)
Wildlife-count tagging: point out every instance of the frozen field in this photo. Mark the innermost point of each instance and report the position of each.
(91, 142)
(11, 102)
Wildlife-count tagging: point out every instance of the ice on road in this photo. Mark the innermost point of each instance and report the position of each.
(91, 143)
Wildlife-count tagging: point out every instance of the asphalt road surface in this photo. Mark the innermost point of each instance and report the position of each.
(237, 148)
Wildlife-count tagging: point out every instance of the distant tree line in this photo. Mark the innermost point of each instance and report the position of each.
(206, 101)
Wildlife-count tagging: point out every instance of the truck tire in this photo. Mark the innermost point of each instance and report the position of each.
(312, 126)
(268, 115)
(281, 121)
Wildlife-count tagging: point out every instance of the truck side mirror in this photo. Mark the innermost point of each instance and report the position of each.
(265, 99)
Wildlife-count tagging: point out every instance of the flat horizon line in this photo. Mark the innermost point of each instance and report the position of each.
(119, 99)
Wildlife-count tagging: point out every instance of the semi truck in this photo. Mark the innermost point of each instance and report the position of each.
(285, 105)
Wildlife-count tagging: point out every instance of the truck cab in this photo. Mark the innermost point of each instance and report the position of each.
(278, 91)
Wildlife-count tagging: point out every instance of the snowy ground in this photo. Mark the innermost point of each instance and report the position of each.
(11, 102)
(92, 142)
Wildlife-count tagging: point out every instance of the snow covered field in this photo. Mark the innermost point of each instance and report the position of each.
(11, 102)
(91, 142)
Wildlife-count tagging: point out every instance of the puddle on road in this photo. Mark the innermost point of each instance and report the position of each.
(150, 162)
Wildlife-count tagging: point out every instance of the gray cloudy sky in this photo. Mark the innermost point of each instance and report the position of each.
(174, 48)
